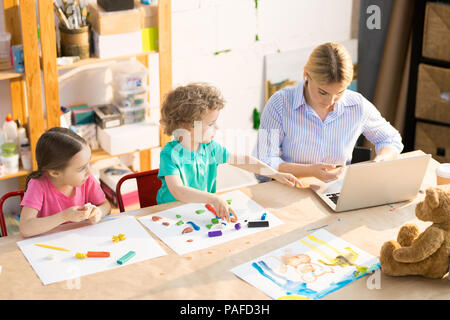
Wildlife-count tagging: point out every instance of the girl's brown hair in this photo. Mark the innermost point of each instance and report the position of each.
(54, 150)
(187, 104)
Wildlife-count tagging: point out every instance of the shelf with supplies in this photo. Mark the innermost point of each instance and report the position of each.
(100, 154)
(20, 173)
(91, 61)
(9, 74)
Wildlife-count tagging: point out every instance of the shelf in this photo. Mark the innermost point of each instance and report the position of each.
(9, 74)
(101, 154)
(434, 62)
(90, 61)
(20, 173)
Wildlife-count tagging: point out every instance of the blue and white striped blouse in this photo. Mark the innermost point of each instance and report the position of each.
(291, 131)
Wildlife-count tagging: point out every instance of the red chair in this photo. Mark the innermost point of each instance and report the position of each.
(2, 217)
(148, 185)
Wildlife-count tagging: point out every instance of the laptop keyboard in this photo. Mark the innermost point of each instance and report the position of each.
(334, 197)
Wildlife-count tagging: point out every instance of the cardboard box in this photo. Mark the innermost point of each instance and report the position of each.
(116, 22)
(116, 45)
(149, 14)
(433, 93)
(129, 138)
(107, 116)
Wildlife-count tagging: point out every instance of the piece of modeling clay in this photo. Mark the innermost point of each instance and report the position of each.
(187, 230)
(126, 257)
(216, 233)
(196, 227)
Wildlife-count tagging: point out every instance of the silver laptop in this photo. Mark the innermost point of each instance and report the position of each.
(374, 183)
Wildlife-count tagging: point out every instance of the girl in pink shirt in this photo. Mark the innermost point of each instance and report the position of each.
(61, 187)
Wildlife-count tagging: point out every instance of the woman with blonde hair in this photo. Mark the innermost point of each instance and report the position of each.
(310, 129)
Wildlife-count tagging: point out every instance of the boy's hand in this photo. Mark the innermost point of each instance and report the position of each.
(223, 209)
(287, 179)
(77, 213)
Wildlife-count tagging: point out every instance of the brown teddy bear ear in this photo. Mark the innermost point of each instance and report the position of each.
(432, 198)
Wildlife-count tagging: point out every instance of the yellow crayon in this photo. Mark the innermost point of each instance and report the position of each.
(51, 247)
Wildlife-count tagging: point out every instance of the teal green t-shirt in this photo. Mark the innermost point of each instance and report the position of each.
(196, 169)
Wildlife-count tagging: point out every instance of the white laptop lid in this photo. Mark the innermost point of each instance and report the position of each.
(370, 184)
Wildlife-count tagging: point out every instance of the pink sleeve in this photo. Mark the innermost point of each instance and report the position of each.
(34, 196)
(95, 194)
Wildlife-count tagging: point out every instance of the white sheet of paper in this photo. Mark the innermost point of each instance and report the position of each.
(98, 237)
(171, 235)
(311, 268)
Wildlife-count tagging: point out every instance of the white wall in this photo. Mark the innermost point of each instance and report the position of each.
(202, 27)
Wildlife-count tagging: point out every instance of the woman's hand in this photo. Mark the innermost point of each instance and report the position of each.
(326, 172)
(287, 179)
(222, 208)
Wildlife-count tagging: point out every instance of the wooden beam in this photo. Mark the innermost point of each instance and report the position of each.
(144, 155)
(12, 18)
(18, 104)
(16, 85)
(32, 73)
(48, 45)
(145, 160)
(165, 54)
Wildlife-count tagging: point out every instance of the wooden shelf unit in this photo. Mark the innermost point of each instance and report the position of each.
(21, 21)
(417, 58)
(17, 82)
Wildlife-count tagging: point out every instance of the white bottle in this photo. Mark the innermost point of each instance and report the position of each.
(25, 155)
(21, 134)
(10, 129)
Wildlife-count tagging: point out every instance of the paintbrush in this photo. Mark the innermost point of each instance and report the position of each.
(61, 16)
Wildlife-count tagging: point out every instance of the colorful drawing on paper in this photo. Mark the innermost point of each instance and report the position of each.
(204, 229)
(310, 268)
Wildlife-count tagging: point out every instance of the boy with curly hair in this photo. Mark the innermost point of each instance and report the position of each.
(188, 164)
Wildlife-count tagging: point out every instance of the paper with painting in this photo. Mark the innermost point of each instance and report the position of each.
(311, 268)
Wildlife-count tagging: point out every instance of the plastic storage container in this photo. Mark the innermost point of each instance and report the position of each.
(129, 75)
(129, 98)
(133, 114)
(10, 157)
(5, 40)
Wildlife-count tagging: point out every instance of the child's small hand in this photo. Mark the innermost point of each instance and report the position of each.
(287, 179)
(223, 209)
(77, 213)
(95, 216)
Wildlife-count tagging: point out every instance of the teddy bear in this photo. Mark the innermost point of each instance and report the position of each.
(425, 254)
